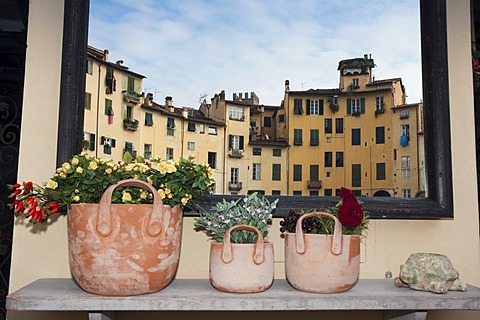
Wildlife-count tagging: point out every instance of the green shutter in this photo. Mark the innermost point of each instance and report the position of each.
(349, 106)
(108, 107)
(314, 137)
(131, 85)
(320, 107)
(362, 105)
(308, 107)
(297, 137)
(240, 145)
(148, 119)
(88, 100)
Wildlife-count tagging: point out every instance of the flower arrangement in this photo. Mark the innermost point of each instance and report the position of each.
(250, 210)
(84, 179)
(348, 210)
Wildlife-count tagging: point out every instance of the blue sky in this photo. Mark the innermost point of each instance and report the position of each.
(191, 48)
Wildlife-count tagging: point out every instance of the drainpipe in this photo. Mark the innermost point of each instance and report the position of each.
(97, 145)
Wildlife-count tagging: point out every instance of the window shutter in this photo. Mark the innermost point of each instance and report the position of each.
(88, 100)
(114, 142)
(124, 111)
(131, 85)
(320, 107)
(362, 105)
(241, 143)
(102, 140)
(349, 106)
(308, 106)
(92, 142)
(230, 141)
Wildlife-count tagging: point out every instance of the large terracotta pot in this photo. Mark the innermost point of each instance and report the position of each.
(122, 249)
(241, 267)
(322, 263)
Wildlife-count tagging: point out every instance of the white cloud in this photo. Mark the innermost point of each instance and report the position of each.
(187, 48)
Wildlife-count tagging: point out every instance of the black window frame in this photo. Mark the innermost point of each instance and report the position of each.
(433, 24)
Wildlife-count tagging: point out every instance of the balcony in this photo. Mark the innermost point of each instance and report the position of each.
(235, 153)
(234, 186)
(314, 184)
(130, 124)
(132, 97)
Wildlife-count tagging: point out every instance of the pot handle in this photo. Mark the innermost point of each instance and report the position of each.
(104, 222)
(258, 255)
(337, 233)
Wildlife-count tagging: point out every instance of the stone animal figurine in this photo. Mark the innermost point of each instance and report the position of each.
(429, 272)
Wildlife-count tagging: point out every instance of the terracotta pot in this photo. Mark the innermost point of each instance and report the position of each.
(122, 249)
(322, 263)
(241, 267)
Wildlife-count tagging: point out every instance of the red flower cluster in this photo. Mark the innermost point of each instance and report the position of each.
(350, 212)
(29, 203)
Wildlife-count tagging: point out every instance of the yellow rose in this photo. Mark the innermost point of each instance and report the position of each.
(143, 195)
(63, 175)
(210, 172)
(161, 193)
(92, 165)
(162, 167)
(76, 198)
(167, 191)
(108, 170)
(184, 201)
(171, 168)
(79, 170)
(51, 184)
(126, 197)
(75, 161)
(66, 166)
(149, 180)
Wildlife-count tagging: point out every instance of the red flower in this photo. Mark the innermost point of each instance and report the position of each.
(347, 194)
(350, 213)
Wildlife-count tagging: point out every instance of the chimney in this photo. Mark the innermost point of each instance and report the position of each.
(365, 56)
(169, 103)
(148, 99)
(287, 85)
(120, 63)
(185, 112)
(105, 55)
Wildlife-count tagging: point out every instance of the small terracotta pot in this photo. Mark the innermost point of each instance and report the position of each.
(241, 267)
(124, 249)
(322, 263)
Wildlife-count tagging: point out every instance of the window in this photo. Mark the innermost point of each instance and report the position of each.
(89, 141)
(88, 100)
(313, 193)
(380, 135)
(297, 172)
(339, 125)
(356, 133)
(170, 126)
(339, 159)
(406, 193)
(276, 172)
(169, 153)
(236, 113)
(202, 128)
(212, 130)
(405, 167)
(89, 66)
(190, 146)
(327, 192)
(276, 192)
(314, 137)
(297, 106)
(148, 119)
(328, 159)
(405, 130)
(327, 174)
(297, 137)
(129, 147)
(191, 127)
(234, 175)
(108, 144)
(328, 125)
(335, 100)
(212, 160)
(315, 107)
(107, 149)
(381, 171)
(257, 170)
(108, 107)
(356, 175)
(314, 172)
(130, 84)
(297, 192)
(404, 114)
(129, 112)
(267, 122)
(257, 151)
(281, 118)
(277, 152)
(356, 106)
(235, 142)
(355, 82)
(147, 151)
(379, 104)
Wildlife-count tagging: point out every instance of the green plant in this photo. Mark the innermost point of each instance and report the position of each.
(348, 210)
(250, 210)
(84, 179)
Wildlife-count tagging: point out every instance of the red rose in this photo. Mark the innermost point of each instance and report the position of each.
(350, 213)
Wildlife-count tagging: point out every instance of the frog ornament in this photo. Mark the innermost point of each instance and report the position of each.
(429, 272)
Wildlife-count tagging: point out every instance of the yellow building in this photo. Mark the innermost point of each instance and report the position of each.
(344, 136)
(255, 149)
(113, 95)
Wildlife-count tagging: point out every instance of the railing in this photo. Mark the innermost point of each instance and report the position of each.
(132, 97)
(236, 153)
(130, 124)
(234, 186)
(314, 184)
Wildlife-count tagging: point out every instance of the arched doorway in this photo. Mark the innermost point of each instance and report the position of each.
(382, 193)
